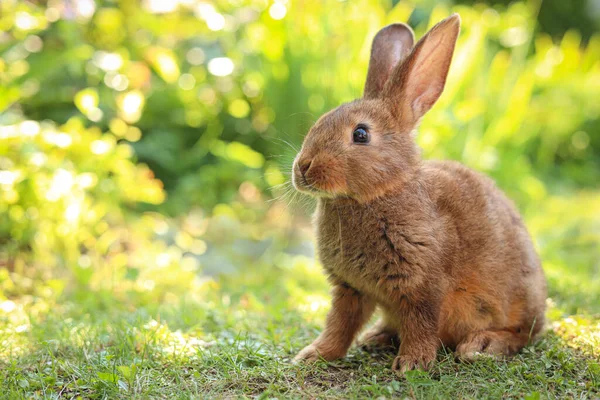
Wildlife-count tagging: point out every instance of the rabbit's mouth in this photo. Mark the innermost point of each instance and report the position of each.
(302, 184)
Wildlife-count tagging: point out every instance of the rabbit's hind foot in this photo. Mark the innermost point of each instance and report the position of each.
(496, 343)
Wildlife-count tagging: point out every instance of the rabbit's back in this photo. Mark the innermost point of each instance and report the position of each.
(482, 217)
(497, 276)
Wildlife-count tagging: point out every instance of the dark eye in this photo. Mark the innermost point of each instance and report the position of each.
(360, 135)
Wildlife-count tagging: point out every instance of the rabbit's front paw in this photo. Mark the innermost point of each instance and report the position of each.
(403, 363)
(327, 351)
(307, 354)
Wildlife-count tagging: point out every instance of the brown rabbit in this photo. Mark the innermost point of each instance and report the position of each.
(435, 245)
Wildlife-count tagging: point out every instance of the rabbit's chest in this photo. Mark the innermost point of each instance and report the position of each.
(368, 250)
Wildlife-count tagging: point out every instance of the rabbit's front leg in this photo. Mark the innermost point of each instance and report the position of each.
(350, 310)
(418, 333)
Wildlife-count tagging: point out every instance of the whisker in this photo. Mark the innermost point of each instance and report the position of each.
(286, 142)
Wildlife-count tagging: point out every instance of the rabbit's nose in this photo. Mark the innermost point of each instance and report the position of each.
(304, 166)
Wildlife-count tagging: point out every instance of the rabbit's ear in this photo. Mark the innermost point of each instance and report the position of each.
(418, 82)
(390, 46)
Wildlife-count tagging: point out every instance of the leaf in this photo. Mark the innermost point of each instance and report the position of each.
(125, 371)
(108, 377)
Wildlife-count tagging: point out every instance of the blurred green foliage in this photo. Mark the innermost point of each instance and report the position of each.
(213, 98)
(64, 190)
(556, 17)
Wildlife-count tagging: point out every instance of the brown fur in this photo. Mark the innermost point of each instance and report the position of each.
(435, 245)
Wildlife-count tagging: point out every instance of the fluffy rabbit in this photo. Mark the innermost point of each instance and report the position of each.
(436, 246)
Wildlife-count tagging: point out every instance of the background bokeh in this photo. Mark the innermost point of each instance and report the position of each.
(145, 146)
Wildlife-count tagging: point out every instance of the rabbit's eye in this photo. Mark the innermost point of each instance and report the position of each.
(360, 135)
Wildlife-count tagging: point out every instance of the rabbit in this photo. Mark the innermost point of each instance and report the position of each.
(436, 246)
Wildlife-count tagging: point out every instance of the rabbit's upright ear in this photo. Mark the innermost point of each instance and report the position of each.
(418, 82)
(390, 46)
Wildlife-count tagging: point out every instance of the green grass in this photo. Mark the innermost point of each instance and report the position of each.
(172, 331)
(235, 336)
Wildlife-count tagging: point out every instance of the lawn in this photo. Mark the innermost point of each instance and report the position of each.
(234, 334)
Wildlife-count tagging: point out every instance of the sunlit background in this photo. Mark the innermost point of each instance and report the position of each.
(145, 149)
